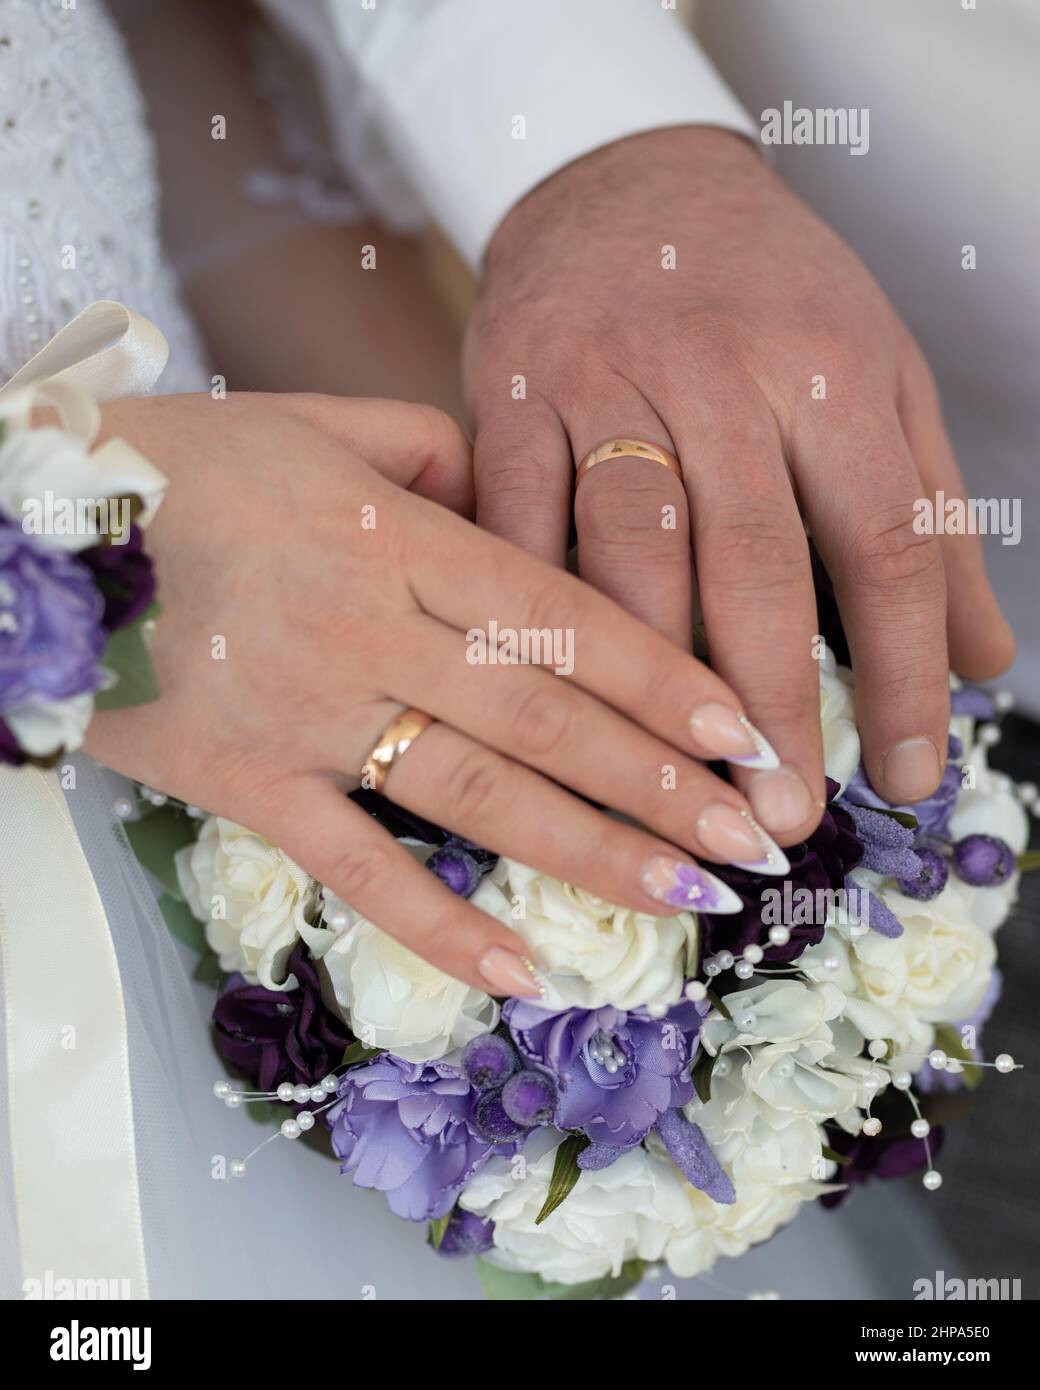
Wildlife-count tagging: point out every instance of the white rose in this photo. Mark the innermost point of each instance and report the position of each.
(936, 971)
(391, 997)
(875, 1006)
(593, 952)
(41, 728)
(841, 747)
(756, 1144)
(250, 895)
(34, 462)
(788, 1045)
(709, 1230)
(629, 1210)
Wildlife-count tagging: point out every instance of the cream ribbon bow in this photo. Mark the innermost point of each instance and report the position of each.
(70, 1105)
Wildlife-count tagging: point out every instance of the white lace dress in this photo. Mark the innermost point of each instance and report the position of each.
(78, 221)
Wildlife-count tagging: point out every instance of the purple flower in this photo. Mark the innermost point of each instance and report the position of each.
(406, 1129)
(821, 862)
(615, 1072)
(51, 638)
(273, 1036)
(125, 577)
(467, 1234)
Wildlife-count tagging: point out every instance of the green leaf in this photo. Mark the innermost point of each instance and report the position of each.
(904, 818)
(127, 656)
(949, 1040)
(156, 838)
(183, 924)
(208, 971)
(700, 1075)
(565, 1174)
(437, 1230)
(835, 1157)
(716, 1001)
(506, 1285)
(1025, 863)
(357, 1053)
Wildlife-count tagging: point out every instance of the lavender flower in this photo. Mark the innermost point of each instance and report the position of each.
(407, 1129)
(615, 1072)
(51, 638)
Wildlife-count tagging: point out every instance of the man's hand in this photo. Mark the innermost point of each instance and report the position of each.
(771, 363)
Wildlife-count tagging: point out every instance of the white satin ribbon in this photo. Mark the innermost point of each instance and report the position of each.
(70, 1104)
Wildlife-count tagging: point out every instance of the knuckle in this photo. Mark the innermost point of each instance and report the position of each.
(473, 788)
(354, 874)
(543, 720)
(751, 548)
(554, 603)
(441, 439)
(888, 550)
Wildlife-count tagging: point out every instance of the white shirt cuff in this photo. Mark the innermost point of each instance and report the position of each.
(476, 102)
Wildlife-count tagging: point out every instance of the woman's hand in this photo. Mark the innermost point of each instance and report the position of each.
(308, 598)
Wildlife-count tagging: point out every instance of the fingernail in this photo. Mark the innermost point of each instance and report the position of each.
(508, 973)
(911, 770)
(733, 836)
(780, 799)
(682, 884)
(731, 735)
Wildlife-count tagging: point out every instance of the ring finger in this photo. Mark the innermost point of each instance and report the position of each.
(631, 517)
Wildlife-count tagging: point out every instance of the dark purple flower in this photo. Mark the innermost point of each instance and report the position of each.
(273, 1036)
(125, 577)
(877, 1158)
(407, 1129)
(821, 862)
(615, 1072)
(467, 1234)
(984, 861)
(51, 638)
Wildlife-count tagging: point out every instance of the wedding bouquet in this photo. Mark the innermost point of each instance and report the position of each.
(684, 1086)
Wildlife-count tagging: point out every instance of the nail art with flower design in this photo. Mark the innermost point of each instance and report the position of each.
(685, 885)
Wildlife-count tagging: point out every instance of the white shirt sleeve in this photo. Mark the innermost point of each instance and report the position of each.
(455, 109)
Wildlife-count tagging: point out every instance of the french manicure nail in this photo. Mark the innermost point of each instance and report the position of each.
(508, 973)
(732, 835)
(910, 770)
(780, 799)
(731, 735)
(683, 884)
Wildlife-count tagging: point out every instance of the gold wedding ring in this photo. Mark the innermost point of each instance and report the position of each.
(628, 448)
(396, 739)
